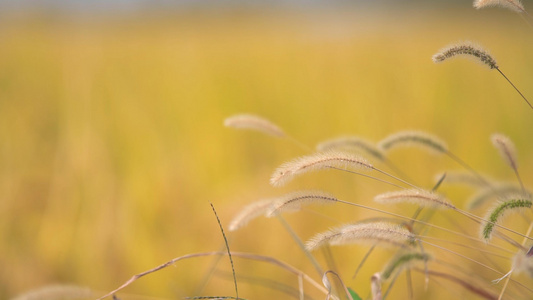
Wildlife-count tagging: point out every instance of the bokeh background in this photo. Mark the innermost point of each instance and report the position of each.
(112, 141)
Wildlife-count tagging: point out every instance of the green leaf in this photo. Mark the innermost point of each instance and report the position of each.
(354, 294)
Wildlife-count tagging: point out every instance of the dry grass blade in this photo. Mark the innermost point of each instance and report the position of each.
(413, 138)
(514, 5)
(253, 122)
(248, 213)
(317, 161)
(466, 49)
(255, 257)
(374, 232)
(495, 214)
(375, 286)
(294, 201)
(421, 197)
(227, 248)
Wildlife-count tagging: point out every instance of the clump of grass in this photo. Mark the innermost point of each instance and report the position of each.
(471, 50)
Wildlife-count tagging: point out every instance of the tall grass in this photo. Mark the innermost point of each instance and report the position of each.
(112, 142)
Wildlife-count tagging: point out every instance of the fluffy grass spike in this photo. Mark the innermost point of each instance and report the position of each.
(514, 5)
(351, 142)
(253, 122)
(495, 215)
(248, 213)
(413, 138)
(466, 49)
(373, 232)
(471, 50)
(421, 197)
(502, 190)
(506, 148)
(317, 161)
(294, 201)
(401, 262)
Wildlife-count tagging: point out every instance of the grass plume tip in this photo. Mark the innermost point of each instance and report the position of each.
(253, 122)
(295, 201)
(466, 49)
(351, 142)
(496, 214)
(373, 232)
(422, 198)
(403, 261)
(413, 138)
(506, 148)
(318, 161)
(514, 5)
(248, 213)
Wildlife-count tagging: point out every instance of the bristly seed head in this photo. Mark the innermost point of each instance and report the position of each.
(253, 122)
(317, 161)
(495, 214)
(413, 138)
(514, 5)
(506, 148)
(421, 197)
(466, 48)
(294, 201)
(374, 232)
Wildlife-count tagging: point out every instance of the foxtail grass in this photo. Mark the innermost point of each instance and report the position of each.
(471, 50)
(495, 215)
(373, 232)
(508, 153)
(420, 197)
(514, 5)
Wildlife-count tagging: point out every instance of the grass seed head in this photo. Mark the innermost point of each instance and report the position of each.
(514, 5)
(253, 122)
(496, 214)
(466, 49)
(422, 198)
(317, 161)
(413, 138)
(374, 232)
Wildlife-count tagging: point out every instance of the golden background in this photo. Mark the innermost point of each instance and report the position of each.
(112, 141)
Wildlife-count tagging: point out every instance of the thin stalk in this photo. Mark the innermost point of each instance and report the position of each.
(298, 241)
(523, 97)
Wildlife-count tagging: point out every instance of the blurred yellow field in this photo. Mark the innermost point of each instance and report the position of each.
(112, 141)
